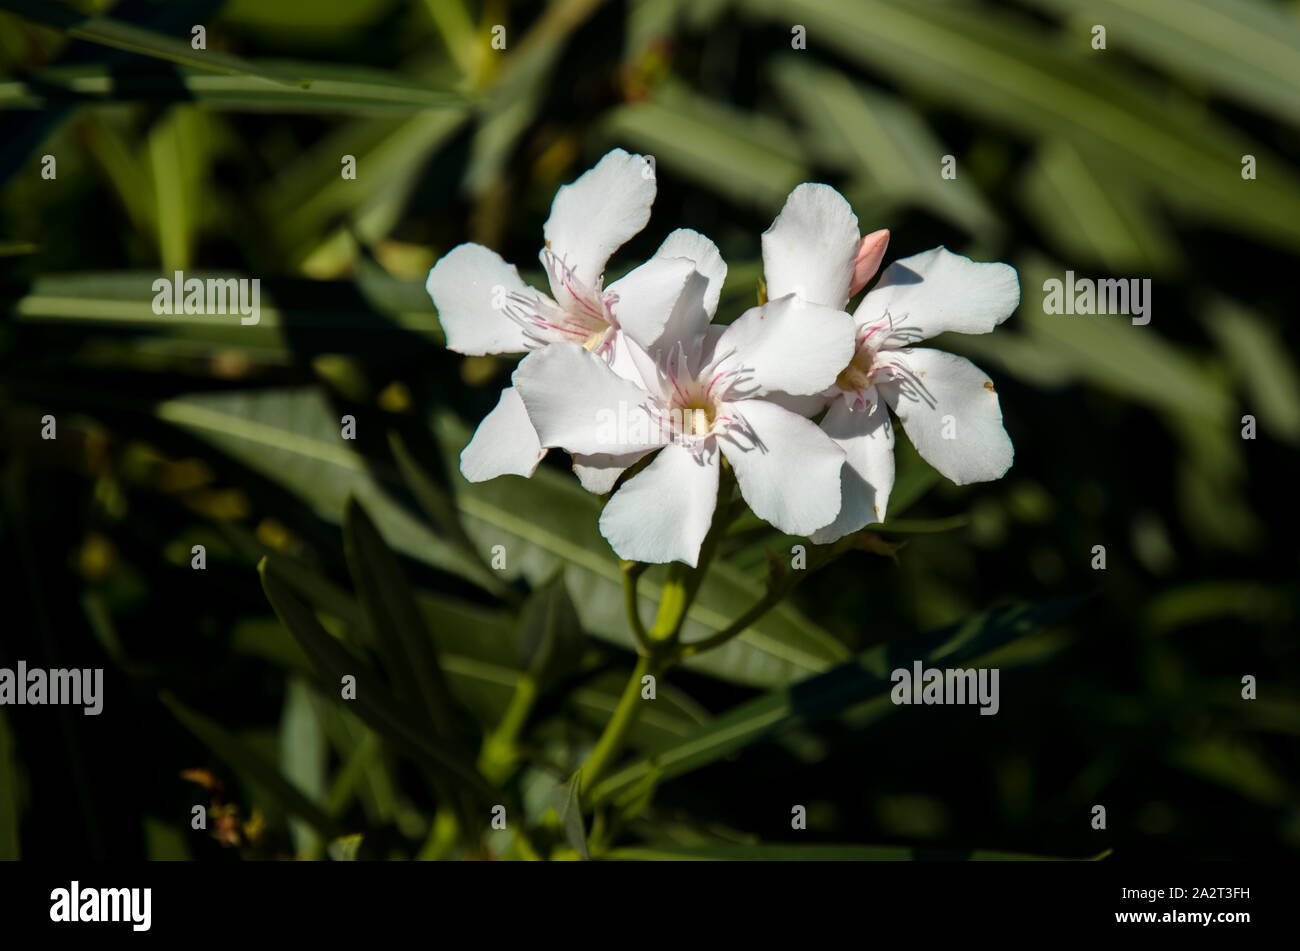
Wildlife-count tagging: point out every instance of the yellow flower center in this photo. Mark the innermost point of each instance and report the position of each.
(857, 375)
(697, 419)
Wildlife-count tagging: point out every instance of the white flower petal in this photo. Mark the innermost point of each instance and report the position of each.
(867, 438)
(950, 411)
(663, 513)
(505, 442)
(469, 286)
(811, 247)
(789, 471)
(593, 217)
(938, 291)
(578, 403)
(802, 405)
(647, 296)
(787, 345)
(699, 301)
(599, 473)
(630, 361)
(685, 243)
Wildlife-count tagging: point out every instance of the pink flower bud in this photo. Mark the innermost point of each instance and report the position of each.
(870, 253)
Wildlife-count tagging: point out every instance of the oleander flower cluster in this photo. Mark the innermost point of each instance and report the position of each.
(652, 398)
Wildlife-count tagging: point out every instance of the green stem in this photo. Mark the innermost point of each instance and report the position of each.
(674, 599)
(632, 571)
(500, 753)
(660, 649)
(619, 725)
(778, 587)
(737, 627)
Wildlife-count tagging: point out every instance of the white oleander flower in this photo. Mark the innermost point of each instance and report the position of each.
(485, 307)
(694, 404)
(948, 407)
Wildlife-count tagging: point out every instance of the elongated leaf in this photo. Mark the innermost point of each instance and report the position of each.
(133, 39)
(309, 194)
(550, 635)
(751, 159)
(863, 680)
(303, 757)
(819, 853)
(1234, 765)
(1247, 49)
(334, 90)
(375, 314)
(480, 650)
(437, 503)
(1096, 217)
(884, 143)
(485, 686)
(568, 805)
(1006, 69)
(394, 619)
(291, 439)
(333, 662)
(252, 765)
(1133, 361)
(1262, 365)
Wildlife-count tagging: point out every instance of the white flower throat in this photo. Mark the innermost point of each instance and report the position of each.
(697, 403)
(583, 315)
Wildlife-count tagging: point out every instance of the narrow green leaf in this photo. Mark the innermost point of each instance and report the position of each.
(865, 679)
(1111, 353)
(124, 36)
(1004, 68)
(293, 439)
(486, 686)
(882, 142)
(395, 622)
(372, 315)
(1094, 216)
(1262, 364)
(441, 509)
(309, 196)
(333, 89)
(550, 638)
(333, 662)
(252, 765)
(1246, 49)
(303, 757)
(751, 159)
(1235, 765)
(569, 807)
